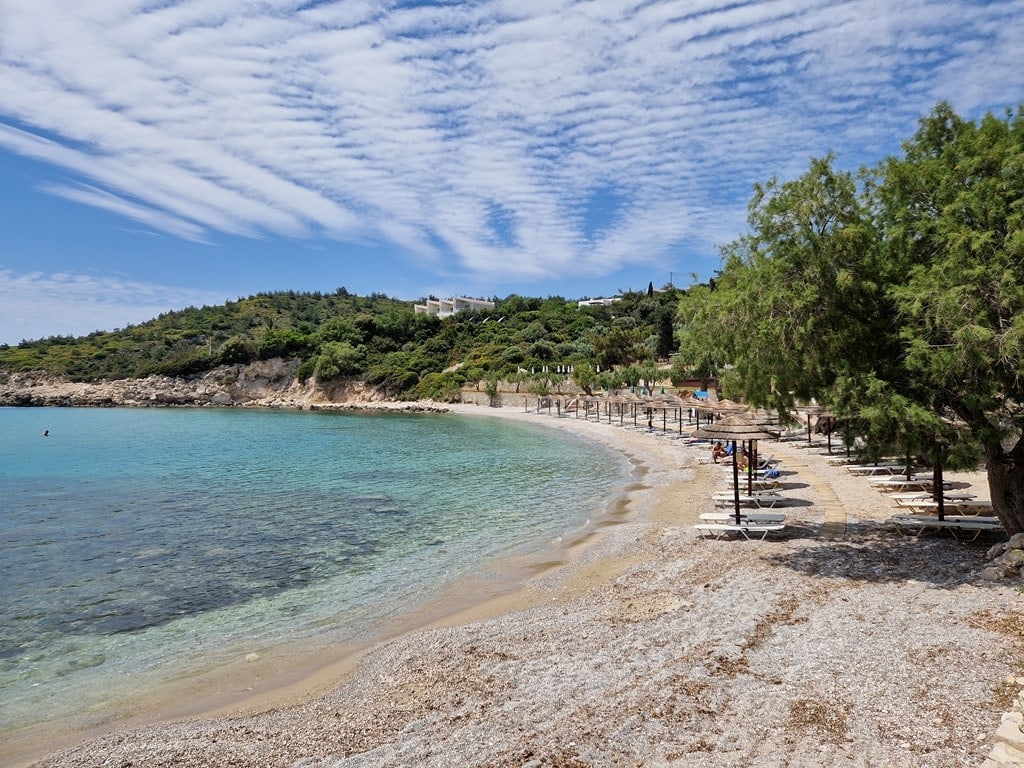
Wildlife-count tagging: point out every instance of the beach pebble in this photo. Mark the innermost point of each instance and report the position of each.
(252, 657)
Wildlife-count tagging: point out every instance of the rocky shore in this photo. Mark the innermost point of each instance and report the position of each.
(263, 384)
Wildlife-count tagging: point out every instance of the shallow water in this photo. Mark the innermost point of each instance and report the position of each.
(140, 545)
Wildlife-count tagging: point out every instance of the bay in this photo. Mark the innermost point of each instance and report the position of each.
(138, 546)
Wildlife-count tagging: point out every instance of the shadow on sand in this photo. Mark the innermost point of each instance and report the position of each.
(874, 553)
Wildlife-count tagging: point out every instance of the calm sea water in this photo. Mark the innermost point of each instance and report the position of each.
(137, 545)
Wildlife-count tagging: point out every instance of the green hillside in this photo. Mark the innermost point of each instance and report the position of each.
(376, 339)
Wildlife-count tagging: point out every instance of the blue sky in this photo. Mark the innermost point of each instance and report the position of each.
(159, 154)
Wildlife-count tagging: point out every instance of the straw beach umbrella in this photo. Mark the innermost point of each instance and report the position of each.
(736, 428)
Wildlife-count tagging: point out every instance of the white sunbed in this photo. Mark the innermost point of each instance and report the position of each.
(709, 460)
(969, 507)
(750, 529)
(755, 499)
(884, 468)
(722, 516)
(953, 497)
(967, 527)
(755, 484)
(840, 461)
(757, 472)
(918, 482)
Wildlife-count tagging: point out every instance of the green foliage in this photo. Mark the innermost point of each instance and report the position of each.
(376, 339)
(396, 372)
(340, 358)
(442, 387)
(585, 377)
(306, 369)
(666, 343)
(895, 296)
(491, 387)
(188, 364)
(283, 342)
(237, 349)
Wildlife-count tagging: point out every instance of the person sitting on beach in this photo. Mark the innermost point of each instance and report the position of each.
(742, 461)
(718, 451)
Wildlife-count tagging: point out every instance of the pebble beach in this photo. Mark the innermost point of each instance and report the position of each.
(835, 642)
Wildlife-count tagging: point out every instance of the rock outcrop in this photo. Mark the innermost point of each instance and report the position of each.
(263, 384)
(1008, 751)
(1006, 560)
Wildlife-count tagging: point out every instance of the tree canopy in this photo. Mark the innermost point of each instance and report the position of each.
(894, 295)
(376, 339)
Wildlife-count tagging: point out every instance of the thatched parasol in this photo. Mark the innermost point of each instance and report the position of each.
(736, 428)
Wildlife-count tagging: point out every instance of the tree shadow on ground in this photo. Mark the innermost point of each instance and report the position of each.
(792, 503)
(872, 553)
(792, 486)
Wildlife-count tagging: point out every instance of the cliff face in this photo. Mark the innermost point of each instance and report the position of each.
(264, 384)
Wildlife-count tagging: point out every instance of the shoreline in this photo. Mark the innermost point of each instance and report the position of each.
(644, 643)
(278, 679)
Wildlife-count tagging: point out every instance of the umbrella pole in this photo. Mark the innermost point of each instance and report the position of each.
(750, 470)
(736, 482)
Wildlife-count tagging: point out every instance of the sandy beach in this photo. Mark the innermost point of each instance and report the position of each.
(837, 642)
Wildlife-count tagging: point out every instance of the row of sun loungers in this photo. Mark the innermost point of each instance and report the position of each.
(913, 495)
(756, 493)
(965, 516)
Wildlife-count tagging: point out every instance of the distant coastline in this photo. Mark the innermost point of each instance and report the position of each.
(264, 384)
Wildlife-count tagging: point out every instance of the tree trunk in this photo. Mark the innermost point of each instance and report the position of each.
(1006, 484)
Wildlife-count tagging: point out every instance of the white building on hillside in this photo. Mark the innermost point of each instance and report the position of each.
(598, 302)
(447, 307)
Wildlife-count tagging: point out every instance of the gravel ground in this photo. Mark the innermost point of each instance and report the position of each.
(655, 647)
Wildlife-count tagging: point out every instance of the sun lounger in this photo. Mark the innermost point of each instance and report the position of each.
(709, 460)
(730, 517)
(755, 484)
(755, 499)
(915, 482)
(749, 529)
(840, 461)
(766, 472)
(924, 504)
(968, 508)
(887, 468)
(953, 498)
(975, 507)
(804, 445)
(964, 527)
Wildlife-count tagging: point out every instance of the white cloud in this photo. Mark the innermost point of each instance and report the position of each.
(37, 305)
(413, 125)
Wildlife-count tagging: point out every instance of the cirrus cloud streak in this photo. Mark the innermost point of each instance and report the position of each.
(479, 137)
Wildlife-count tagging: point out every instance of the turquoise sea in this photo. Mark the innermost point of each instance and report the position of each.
(141, 546)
